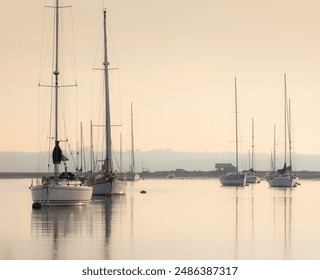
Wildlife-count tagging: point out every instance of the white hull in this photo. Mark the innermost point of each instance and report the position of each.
(233, 179)
(62, 192)
(284, 181)
(109, 187)
(119, 187)
(132, 177)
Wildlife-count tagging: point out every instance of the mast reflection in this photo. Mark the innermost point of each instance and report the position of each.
(77, 232)
(283, 220)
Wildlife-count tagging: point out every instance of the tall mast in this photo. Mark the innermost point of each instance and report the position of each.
(133, 167)
(236, 107)
(274, 148)
(285, 118)
(91, 148)
(289, 136)
(56, 73)
(252, 152)
(81, 149)
(108, 164)
(121, 171)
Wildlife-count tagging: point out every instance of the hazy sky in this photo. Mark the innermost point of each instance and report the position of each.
(177, 61)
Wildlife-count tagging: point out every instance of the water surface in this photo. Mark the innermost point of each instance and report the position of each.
(175, 219)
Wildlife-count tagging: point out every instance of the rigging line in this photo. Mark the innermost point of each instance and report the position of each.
(41, 130)
(65, 99)
(73, 44)
(71, 154)
(67, 122)
(92, 87)
(38, 141)
(98, 46)
(41, 125)
(51, 96)
(39, 78)
(48, 38)
(117, 67)
(101, 96)
(120, 96)
(96, 98)
(112, 43)
(67, 49)
(72, 61)
(42, 39)
(95, 58)
(53, 86)
(83, 153)
(50, 124)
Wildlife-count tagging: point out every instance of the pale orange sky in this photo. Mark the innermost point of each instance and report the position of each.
(177, 62)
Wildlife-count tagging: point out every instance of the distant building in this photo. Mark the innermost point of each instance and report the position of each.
(225, 167)
(179, 170)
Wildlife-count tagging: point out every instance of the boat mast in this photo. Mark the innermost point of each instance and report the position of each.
(274, 148)
(108, 163)
(56, 73)
(82, 155)
(289, 136)
(236, 107)
(91, 148)
(121, 171)
(133, 167)
(252, 152)
(285, 118)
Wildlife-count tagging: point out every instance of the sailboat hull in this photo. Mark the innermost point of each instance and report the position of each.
(285, 181)
(61, 193)
(109, 187)
(119, 187)
(233, 179)
(252, 179)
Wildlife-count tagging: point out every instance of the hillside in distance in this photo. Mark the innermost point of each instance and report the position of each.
(156, 160)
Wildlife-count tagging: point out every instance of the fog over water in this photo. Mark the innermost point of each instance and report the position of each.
(163, 160)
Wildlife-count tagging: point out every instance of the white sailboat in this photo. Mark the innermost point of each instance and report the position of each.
(132, 175)
(66, 188)
(234, 178)
(105, 182)
(284, 177)
(251, 178)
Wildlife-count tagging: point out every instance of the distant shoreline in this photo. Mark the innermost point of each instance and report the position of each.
(217, 174)
(163, 174)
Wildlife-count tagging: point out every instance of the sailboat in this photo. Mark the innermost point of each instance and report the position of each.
(106, 182)
(251, 178)
(64, 188)
(284, 176)
(235, 178)
(132, 175)
(271, 174)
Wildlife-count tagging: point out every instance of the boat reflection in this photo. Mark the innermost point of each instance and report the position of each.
(282, 219)
(258, 222)
(77, 232)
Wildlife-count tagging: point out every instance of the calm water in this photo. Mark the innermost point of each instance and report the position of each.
(175, 219)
